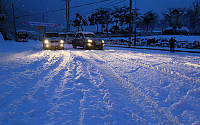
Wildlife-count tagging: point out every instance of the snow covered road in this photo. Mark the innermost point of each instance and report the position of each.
(113, 86)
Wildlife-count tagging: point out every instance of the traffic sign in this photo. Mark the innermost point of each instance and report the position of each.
(40, 27)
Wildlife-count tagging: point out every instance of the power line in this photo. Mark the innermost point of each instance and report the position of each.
(63, 8)
(105, 6)
(40, 13)
(89, 4)
(115, 3)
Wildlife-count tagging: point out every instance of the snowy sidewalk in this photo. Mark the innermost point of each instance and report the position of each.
(156, 48)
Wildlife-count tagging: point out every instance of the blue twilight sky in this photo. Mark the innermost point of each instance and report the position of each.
(23, 7)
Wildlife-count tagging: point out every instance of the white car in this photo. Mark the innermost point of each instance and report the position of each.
(52, 40)
(87, 40)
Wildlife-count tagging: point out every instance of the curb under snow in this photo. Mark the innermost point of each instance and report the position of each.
(154, 48)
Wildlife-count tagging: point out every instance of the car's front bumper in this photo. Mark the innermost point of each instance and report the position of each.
(53, 46)
(95, 44)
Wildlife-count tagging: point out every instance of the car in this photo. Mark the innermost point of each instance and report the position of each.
(63, 36)
(41, 37)
(87, 40)
(52, 40)
(69, 37)
(21, 36)
(32, 35)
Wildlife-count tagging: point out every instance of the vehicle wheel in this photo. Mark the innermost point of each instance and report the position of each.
(85, 46)
(44, 47)
(74, 46)
(100, 48)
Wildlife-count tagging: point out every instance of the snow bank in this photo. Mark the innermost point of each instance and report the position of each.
(1, 37)
(177, 37)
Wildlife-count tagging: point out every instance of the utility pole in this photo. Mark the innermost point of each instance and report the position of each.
(0, 6)
(68, 18)
(67, 15)
(135, 25)
(14, 21)
(130, 23)
(43, 20)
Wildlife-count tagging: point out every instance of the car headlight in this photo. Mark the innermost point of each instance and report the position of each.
(89, 44)
(62, 41)
(90, 41)
(103, 41)
(46, 41)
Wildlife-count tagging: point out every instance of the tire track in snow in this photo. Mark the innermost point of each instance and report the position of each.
(82, 97)
(105, 103)
(42, 71)
(19, 70)
(156, 67)
(81, 82)
(151, 102)
(165, 110)
(67, 95)
(127, 90)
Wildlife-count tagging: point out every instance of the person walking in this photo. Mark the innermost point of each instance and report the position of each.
(171, 43)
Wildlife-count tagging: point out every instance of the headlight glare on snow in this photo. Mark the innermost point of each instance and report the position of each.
(46, 41)
(90, 41)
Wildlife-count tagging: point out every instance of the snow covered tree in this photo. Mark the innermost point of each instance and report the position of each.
(94, 20)
(193, 15)
(121, 15)
(6, 23)
(79, 22)
(101, 16)
(149, 20)
(107, 17)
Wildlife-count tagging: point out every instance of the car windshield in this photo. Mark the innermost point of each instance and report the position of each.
(70, 35)
(51, 35)
(20, 35)
(90, 35)
(62, 35)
